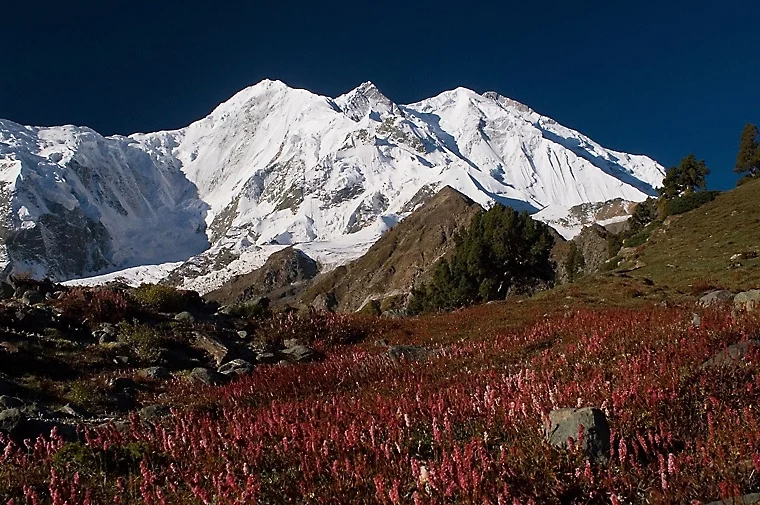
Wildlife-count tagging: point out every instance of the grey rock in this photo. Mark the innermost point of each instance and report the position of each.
(155, 373)
(121, 360)
(748, 300)
(747, 499)
(242, 334)
(235, 368)
(289, 343)
(69, 410)
(185, 317)
(11, 421)
(208, 377)
(301, 354)
(216, 349)
(267, 358)
(154, 412)
(564, 424)
(732, 355)
(717, 297)
(696, 320)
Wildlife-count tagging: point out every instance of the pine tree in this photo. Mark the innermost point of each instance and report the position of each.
(748, 158)
(686, 178)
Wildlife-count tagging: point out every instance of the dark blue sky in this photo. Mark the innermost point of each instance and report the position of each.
(662, 78)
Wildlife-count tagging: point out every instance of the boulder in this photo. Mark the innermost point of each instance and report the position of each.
(185, 317)
(564, 424)
(154, 412)
(208, 377)
(69, 410)
(747, 499)
(748, 300)
(717, 297)
(155, 373)
(267, 358)
(18, 426)
(219, 352)
(732, 354)
(235, 368)
(301, 354)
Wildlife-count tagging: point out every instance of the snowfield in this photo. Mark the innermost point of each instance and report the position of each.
(276, 166)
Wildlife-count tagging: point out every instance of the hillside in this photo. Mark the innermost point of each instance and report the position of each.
(404, 255)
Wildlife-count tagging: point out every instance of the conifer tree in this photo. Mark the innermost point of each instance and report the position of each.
(748, 158)
(686, 178)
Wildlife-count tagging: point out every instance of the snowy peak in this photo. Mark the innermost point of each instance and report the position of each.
(366, 100)
(275, 166)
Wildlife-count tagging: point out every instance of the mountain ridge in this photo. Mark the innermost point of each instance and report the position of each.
(275, 166)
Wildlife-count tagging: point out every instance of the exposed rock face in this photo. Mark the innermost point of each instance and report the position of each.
(275, 279)
(565, 424)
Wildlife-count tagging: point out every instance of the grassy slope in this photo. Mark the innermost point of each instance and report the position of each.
(700, 243)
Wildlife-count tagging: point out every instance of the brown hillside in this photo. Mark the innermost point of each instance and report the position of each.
(403, 256)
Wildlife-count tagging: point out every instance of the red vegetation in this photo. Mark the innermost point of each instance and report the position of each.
(464, 426)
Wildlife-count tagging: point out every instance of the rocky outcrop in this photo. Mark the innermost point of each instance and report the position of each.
(275, 279)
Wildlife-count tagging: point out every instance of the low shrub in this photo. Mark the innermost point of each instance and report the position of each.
(98, 304)
(164, 298)
(255, 309)
(144, 340)
(685, 203)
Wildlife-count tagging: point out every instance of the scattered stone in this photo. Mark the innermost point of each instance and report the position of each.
(235, 368)
(301, 354)
(747, 499)
(106, 338)
(733, 354)
(242, 334)
(267, 358)
(73, 411)
(154, 412)
(155, 373)
(398, 353)
(121, 360)
(289, 343)
(717, 297)
(11, 420)
(218, 351)
(185, 317)
(696, 320)
(564, 424)
(325, 302)
(208, 377)
(748, 300)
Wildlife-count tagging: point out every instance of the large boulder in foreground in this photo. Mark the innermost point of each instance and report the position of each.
(748, 300)
(565, 424)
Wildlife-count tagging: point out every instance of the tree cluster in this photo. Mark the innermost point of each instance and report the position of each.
(686, 178)
(502, 250)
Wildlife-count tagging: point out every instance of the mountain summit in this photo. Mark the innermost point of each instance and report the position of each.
(274, 167)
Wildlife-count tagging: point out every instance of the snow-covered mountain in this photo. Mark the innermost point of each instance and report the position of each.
(276, 166)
